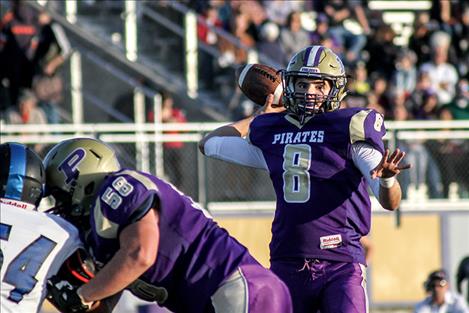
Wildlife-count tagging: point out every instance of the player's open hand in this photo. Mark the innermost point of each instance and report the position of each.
(390, 165)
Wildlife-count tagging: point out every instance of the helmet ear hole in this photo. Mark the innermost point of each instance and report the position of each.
(89, 188)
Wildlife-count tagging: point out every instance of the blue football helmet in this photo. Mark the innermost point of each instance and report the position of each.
(22, 175)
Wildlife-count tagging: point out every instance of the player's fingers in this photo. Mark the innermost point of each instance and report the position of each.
(405, 167)
(268, 100)
(399, 157)
(384, 159)
(386, 154)
(392, 158)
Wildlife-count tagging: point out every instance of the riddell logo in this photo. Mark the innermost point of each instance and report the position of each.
(332, 241)
(14, 203)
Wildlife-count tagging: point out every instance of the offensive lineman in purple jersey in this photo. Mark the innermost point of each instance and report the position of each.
(153, 240)
(321, 160)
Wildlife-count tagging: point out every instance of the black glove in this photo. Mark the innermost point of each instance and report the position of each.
(64, 297)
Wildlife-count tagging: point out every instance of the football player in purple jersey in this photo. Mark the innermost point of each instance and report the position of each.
(321, 160)
(148, 237)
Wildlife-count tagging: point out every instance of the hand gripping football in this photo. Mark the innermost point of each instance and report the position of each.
(257, 81)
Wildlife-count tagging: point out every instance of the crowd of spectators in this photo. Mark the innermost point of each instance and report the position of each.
(426, 79)
(32, 49)
(426, 76)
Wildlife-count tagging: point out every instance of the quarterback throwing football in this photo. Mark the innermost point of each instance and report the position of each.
(321, 160)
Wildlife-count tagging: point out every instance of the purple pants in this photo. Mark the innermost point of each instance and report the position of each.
(266, 292)
(325, 286)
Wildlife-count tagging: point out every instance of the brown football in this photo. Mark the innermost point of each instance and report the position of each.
(257, 81)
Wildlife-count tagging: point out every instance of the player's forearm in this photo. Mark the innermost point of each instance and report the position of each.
(236, 129)
(390, 198)
(138, 249)
(124, 268)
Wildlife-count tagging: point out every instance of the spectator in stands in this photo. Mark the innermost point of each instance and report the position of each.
(19, 36)
(382, 52)
(415, 101)
(27, 112)
(419, 41)
(279, 11)
(226, 12)
(453, 18)
(48, 90)
(360, 85)
(53, 47)
(374, 104)
(381, 91)
(231, 54)
(459, 107)
(448, 14)
(338, 12)
(460, 29)
(440, 298)
(53, 50)
(256, 15)
(452, 156)
(322, 36)
(359, 89)
(462, 275)
(405, 75)
(430, 108)
(293, 37)
(270, 46)
(422, 180)
(443, 75)
(209, 37)
(173, 151)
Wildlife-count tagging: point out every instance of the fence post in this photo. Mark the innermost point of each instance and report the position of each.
(76, 87)
(71, 11)
(142, 152)
(191, 53)
(202, 178)
(393, 144)
(159, 161)
(131, 30)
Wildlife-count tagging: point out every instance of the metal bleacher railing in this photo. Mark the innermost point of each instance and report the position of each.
(155, 40)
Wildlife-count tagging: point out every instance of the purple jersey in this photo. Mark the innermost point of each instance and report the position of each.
(323, 207)
(194, 256)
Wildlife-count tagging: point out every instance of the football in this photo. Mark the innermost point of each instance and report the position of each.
(257, 81)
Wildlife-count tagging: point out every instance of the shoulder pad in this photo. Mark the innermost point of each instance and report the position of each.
(368, 126)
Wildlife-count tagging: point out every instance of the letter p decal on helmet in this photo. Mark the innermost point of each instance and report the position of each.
(69, 166)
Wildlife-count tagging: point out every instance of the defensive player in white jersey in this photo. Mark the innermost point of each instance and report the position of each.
(34, 245)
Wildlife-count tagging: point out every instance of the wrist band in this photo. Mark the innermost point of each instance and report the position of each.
(387, 182)
(88, 304)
